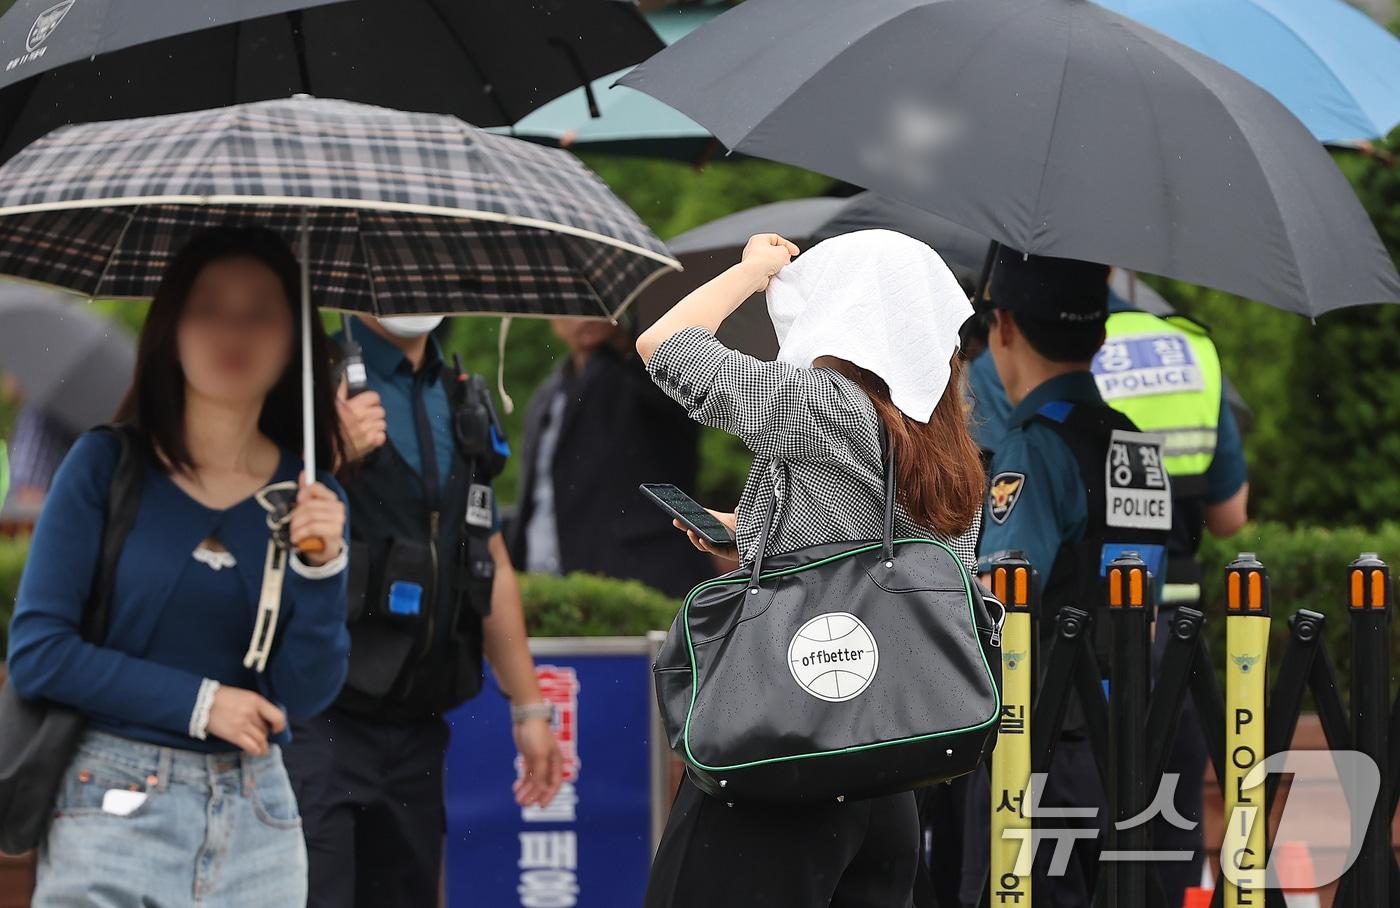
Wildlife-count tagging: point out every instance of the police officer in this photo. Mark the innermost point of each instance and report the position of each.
(1052, 494)
(1163, 373)
(431, 591)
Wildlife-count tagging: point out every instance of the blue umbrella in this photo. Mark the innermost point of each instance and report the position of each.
(1334, 68)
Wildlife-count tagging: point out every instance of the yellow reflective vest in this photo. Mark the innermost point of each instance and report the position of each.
(1164, 375)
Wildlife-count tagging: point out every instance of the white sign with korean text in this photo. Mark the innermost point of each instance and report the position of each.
(1136, 486)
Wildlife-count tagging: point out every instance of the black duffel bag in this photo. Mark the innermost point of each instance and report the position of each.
(38, 739)
(845, 670)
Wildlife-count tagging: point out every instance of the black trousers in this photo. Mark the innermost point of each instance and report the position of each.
(857, 854)
(371, 801)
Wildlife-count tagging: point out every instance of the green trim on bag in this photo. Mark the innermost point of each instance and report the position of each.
(695, 679)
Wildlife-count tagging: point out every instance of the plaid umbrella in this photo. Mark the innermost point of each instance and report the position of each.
(408, 213)
(397, 213)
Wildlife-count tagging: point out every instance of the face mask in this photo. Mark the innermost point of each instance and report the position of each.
(410, 326)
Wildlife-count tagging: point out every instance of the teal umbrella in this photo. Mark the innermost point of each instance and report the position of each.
(621, 120)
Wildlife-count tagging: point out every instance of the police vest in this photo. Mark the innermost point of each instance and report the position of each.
(420, 571)
(1128, 494)
(1164, 374)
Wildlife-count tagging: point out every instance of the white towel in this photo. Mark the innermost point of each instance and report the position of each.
(880, 299)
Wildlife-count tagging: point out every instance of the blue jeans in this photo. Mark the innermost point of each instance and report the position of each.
(213, 830)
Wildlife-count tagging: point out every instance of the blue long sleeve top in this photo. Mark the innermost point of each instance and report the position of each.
(175, 619)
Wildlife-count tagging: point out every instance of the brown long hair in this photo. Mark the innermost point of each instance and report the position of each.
(939, 477)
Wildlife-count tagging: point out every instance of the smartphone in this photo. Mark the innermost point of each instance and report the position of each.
(686, 509)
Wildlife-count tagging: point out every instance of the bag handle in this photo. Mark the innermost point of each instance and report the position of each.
(887, 532)
(123, 501)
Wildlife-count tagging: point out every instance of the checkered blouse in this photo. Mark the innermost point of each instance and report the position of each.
(816, 440)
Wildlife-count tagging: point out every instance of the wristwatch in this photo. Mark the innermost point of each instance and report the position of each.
(526, 711)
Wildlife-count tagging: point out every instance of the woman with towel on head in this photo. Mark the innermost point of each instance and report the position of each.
(867, 325)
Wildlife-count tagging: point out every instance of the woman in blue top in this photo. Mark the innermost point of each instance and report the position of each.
(177, 793)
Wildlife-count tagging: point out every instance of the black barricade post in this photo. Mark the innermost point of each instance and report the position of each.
(1014, 582)
(1368, 587)
(1130, 615)
(1183, 658)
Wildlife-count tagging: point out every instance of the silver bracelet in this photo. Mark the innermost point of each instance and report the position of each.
(527, 711)
(203, 705)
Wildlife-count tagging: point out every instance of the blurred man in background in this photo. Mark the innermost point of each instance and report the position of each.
(596, 429)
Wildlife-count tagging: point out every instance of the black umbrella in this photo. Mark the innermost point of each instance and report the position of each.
(1053, 126)
(489, 62)
(712, 247)
(72, 363)
(707, 250)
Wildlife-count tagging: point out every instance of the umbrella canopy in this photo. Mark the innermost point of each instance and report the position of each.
(709, 249)
(408, 213)
(712, 247)
(623, 121)
(1337, 70)
(1055, 127)
(489, 62)
(72, 363)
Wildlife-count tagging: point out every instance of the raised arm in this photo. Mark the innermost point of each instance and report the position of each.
(708, 305)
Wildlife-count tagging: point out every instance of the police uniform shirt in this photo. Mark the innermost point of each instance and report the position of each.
(389, 373)
(1036, 501)
(991, 419)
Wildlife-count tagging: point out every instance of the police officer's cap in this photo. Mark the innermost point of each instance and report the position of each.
(1049, 288)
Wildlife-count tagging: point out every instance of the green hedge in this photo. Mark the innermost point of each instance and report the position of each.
(1307, 569)
(587, 605)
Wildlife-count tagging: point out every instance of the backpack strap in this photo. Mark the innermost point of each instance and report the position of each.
(123, 501)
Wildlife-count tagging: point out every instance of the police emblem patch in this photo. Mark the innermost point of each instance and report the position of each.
(1004, 493)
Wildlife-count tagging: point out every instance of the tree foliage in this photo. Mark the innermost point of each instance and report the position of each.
(1326, 395)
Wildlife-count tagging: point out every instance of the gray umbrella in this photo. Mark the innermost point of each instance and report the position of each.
(72, 363)
(710, 248)
(1053, 126)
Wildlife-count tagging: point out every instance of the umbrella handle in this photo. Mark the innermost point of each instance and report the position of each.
(311, 545)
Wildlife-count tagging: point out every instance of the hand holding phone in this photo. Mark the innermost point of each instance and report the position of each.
(690, 513)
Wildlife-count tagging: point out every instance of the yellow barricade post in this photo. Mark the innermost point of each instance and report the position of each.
(1014, 583)
(1243, 853)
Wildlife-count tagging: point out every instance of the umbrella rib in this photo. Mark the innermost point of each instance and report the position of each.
(116, 247)
(471, 61)
(1050, 142)
(369, 272)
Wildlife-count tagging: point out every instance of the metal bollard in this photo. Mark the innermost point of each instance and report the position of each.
(1130, 601)
(1247, 651)
(1015, 583)
(1368, 598)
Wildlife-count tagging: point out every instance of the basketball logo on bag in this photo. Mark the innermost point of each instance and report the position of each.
(833, 656)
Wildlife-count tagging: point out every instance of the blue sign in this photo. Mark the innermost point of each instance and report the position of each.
(1143, 364)
(592, 846)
